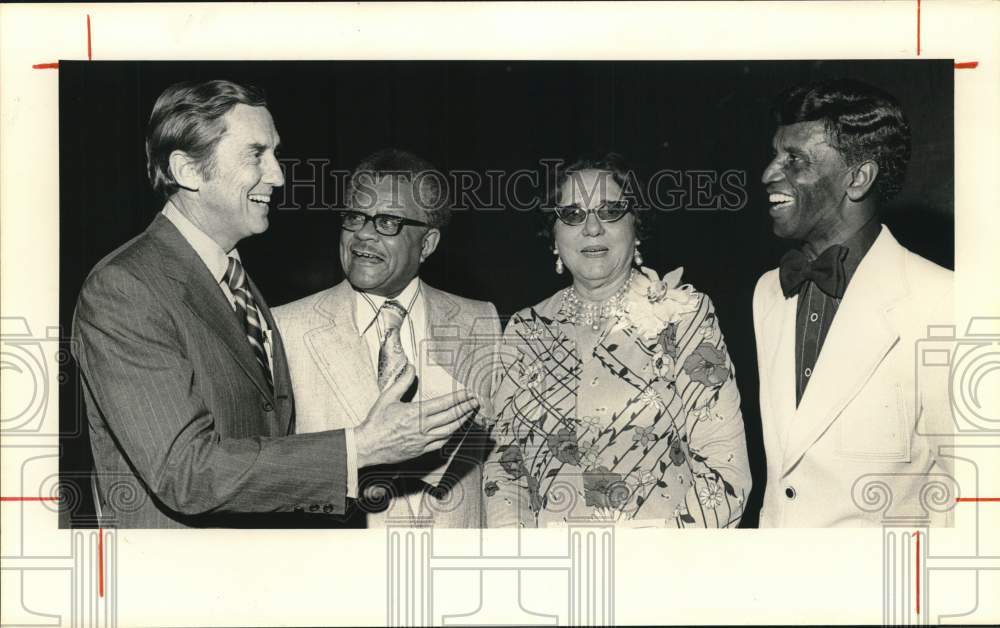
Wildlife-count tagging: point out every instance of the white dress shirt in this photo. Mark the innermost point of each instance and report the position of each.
(217, 262)
(411, 333)
(432, 380)
(413, 330)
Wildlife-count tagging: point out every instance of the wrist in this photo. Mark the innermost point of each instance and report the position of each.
(364, 447)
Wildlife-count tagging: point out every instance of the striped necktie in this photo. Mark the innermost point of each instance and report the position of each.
(391, 362)
(246, 310)
(391, 359)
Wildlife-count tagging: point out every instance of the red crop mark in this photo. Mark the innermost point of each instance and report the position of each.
(55, 64)
(967, 65)
(918, 28)
(918, 572)
(977, 499)
(29, 499)
(100, 562)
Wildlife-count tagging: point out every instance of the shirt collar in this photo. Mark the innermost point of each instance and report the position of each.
(207, 249)
(857, 246)
(367, 304)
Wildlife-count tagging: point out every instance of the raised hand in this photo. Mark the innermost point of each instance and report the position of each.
(395, 431)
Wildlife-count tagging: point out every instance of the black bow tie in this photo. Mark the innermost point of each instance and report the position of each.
(826, 271)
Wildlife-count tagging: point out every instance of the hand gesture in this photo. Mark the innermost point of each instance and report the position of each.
(395, 431)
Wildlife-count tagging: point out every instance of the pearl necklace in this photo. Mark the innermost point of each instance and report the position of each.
(593, 314)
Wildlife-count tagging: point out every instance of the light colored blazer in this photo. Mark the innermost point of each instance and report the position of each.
(184, 428)
(335, 385)
(862, 448)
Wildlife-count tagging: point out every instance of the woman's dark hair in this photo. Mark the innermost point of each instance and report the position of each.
(621, 173)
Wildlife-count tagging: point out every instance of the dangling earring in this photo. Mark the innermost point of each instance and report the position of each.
(636, 255)
(559, 263)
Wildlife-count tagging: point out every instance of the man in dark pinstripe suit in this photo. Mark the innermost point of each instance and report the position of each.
(189, 403)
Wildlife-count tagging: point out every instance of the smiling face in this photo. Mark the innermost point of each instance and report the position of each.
(806, 183)
(598, 254)
(382, 264)
(234, 197)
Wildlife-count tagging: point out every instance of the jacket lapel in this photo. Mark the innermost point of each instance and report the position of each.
(779, 358)
(341, 354)
(859, 339)
(201, 294)
(442, 333)
(280, 374)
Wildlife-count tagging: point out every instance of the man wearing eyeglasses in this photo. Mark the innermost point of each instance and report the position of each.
(187, 392)
(348, 342)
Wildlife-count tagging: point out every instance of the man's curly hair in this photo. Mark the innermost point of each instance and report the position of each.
(862, 122)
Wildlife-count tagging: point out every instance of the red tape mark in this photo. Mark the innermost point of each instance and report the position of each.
(29, 499)
(967, 65)
(918, 572)
(55, 65)
(100, 562)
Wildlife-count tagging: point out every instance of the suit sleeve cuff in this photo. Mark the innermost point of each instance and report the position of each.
(352, 463)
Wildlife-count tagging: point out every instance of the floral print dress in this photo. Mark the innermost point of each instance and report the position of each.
(645, 431)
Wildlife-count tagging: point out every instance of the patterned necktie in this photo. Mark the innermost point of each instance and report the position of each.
(246, 310)
(391, 362)
(826, 271)
(391, 359)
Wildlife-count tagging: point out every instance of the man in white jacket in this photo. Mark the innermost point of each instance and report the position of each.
(346, 343)
(850, 438)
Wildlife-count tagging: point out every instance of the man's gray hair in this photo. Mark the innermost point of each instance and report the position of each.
(428, 188)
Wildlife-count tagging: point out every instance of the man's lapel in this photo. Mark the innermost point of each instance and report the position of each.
(205, 298)
(341, 354)
(444, 336)
(280, 375)
(859, 339)
(779, 357)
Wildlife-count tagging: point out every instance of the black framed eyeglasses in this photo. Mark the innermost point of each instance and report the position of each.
(386, 224)
(608, 211)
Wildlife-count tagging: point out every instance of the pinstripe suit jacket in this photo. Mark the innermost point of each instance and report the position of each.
(184, 429)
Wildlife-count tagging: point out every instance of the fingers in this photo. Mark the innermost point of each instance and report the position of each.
(431, 408)
(439, 437)
(448, 420)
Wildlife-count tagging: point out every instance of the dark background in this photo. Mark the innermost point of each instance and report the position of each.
(481, 116)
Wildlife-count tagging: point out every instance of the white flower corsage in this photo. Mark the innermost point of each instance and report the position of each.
(652, 304)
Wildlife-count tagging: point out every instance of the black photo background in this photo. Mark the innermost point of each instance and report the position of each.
(708, 117)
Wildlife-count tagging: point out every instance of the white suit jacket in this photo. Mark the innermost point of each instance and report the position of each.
(863, 446)
(334, 382)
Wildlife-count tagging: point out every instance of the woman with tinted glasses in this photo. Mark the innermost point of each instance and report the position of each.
(617, 400)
